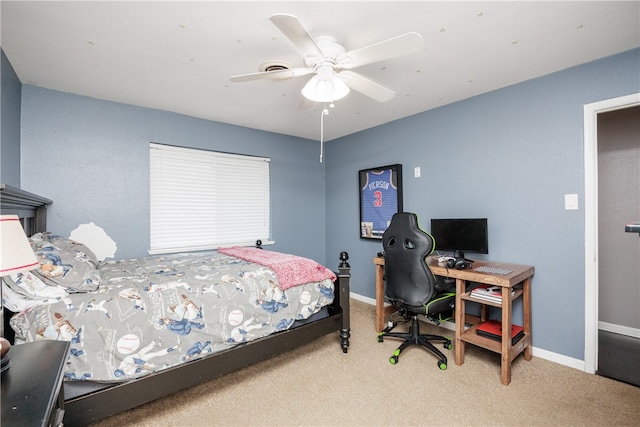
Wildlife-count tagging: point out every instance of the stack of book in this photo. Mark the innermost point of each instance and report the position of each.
(493, 329)
(489, 293)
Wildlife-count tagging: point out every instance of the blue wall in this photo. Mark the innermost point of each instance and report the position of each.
(10, 122)
(91, 158)
(509, 155)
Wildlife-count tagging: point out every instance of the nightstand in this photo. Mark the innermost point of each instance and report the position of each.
(32, 391)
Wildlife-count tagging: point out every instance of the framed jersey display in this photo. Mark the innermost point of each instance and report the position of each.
(380, 198)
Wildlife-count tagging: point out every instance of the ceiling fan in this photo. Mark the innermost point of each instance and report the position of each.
(331, 64)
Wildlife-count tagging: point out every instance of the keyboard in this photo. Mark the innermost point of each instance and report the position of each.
(493, 270)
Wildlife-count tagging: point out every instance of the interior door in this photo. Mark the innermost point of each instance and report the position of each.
(618, 177)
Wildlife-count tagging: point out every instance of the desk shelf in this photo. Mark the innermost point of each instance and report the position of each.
(470, 336)
(467, 296)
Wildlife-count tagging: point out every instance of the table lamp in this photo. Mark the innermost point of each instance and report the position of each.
(16, 256)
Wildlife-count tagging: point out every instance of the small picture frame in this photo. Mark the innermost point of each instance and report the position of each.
(380, 193)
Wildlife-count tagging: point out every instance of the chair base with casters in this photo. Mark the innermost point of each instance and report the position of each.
(415, 337)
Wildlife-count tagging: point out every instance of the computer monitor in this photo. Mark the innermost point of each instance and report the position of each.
(461, 235)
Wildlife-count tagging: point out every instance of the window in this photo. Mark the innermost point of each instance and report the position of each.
(204, 199)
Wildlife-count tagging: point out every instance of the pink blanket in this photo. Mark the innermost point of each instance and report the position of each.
(291, 270)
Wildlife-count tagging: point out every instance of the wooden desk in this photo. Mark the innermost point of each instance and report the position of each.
(381, 311)
(519, 278)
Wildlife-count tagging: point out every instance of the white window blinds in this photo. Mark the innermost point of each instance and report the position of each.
(204, 199)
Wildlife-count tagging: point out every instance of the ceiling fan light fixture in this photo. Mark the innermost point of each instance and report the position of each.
(322, 89)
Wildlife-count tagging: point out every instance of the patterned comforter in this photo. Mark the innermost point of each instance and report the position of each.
(133, 317)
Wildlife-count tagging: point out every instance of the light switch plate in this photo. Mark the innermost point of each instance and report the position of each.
(416, 172)
(571, 202)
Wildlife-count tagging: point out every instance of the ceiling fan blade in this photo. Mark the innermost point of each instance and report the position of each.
(390, 48)
(272, 75)
(297, 33)
(366, 86)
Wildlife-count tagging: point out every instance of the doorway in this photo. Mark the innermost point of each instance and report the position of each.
(592, 226)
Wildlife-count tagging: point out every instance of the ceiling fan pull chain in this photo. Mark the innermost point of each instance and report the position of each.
(325, 112)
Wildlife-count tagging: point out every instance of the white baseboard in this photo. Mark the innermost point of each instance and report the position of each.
(619, 329)
(370, 301)
(537, 352)
(558, 358)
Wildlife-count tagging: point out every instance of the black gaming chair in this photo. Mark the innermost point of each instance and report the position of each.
(411, 286)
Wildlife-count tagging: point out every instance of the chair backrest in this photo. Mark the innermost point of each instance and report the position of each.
(409, 281)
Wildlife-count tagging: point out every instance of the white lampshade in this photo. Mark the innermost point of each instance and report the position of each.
(16, 254)
(325, 86)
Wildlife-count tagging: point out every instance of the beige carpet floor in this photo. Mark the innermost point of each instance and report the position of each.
(318, 385)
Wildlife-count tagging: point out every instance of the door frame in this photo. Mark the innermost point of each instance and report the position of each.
(591, 112)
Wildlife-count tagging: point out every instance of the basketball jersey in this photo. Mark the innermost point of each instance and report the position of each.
(379, 201)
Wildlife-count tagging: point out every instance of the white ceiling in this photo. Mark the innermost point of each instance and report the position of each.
(178, 56)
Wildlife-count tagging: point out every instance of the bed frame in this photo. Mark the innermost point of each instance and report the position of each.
(86, 402)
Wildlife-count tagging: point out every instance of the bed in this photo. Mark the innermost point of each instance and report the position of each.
(196, 326)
